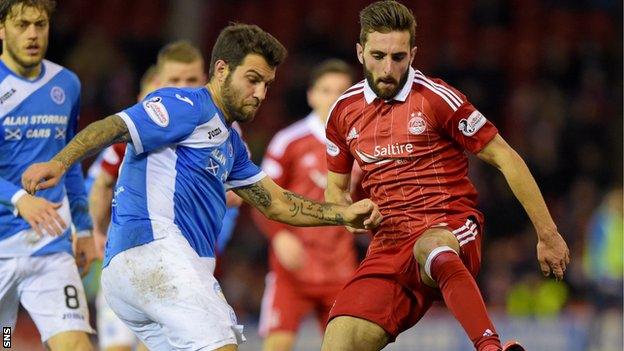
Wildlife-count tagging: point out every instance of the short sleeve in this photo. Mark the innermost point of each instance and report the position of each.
(339, 158)
(458, 118)
(164, 117)
(244, 171)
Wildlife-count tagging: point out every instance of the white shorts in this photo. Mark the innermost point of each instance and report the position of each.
(112, 332)
(169, 297)
(49, 288)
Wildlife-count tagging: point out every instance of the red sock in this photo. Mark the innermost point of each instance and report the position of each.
(463, 298)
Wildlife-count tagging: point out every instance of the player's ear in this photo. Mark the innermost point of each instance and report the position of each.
(359, 49)
(2, 31)
(221, 70)
(413, 52)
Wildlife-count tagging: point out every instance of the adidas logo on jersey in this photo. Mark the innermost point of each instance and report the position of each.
(353, 134)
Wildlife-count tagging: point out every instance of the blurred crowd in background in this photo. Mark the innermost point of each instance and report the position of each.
(547, 73)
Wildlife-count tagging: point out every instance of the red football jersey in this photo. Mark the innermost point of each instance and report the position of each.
(295, 159)
(112, 158)
(411, 150)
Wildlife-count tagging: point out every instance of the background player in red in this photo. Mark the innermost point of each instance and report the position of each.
(408, 133)
(308, 266)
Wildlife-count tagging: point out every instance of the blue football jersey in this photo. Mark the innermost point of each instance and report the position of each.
(38, 117)
(182, 158)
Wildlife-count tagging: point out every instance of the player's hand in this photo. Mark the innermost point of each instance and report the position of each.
(84, 253)
(99, 240)
(363, 214)
(553, 254)
(288, 250)
(41, 215)
(42, 175)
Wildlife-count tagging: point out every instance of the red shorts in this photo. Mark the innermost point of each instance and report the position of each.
(386, 288)
(285, 304)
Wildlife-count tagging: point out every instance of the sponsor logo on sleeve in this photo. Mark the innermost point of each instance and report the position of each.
(58, 95)
(156, 111)
(471, 125)
(416, 124)
(332, 149)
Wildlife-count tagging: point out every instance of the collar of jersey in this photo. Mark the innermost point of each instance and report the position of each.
(41, 74)
(370, 95)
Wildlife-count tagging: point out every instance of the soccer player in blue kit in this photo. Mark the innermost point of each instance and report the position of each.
(170, 197)
(39, 103)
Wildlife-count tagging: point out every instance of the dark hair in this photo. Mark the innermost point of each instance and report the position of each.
(6, 6)
(387, 16)
(330, 66)
(238, 40)
(178, 51)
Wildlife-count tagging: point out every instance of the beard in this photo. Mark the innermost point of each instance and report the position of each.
(385, 93)
(25, 61)
(234, 106)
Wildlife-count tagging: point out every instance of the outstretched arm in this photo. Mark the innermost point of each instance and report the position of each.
(90, 140)
(552, 251)
(285, 206)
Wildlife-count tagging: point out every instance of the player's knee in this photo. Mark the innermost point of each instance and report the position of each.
(350, 334)
(431, 240)
(73, 340)
(230, 347)
(279, 341)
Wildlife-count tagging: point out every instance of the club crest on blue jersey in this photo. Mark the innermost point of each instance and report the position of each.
(58, 95)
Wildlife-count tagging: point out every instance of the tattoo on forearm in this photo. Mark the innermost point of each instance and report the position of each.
(256, 194)
(309, 208)
(93, 138)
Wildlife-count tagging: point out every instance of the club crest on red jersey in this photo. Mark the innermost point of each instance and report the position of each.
(416, 124)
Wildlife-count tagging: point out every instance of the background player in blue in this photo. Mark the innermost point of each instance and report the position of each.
(39, 103)
(170, 196)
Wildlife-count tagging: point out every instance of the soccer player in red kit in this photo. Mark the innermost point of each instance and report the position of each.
(308, 265)
(408, 133)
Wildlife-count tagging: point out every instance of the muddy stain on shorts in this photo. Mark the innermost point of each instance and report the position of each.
(154, 282)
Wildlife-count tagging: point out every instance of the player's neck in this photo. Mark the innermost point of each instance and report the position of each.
(321, 115)
(215, 92)
(24, 72)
